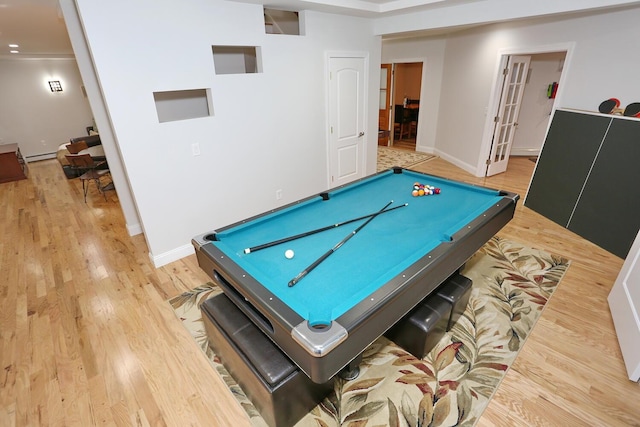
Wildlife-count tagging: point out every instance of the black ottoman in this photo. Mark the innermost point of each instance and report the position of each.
(456, 290)
(280, 391)
(420, 330)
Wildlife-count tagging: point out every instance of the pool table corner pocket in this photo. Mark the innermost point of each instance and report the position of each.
(319, 341)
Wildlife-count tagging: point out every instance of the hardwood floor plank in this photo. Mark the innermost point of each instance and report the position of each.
(100, 407)
(79, 344)
(87, 337)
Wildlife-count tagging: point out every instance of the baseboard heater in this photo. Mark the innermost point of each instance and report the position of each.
(44, 156)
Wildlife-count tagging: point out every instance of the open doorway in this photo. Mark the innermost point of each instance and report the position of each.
(407, 82)
(400, 86)
(538, 102)
(523, 108)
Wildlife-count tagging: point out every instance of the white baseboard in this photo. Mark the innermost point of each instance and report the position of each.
(462, 165)
(37, 157)
(134, 229)
(172, 255)
(525, 152)
(425, 149)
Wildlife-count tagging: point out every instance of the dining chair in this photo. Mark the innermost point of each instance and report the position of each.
(401, 122)
(77, 147)
(89, 170)
(413, 122)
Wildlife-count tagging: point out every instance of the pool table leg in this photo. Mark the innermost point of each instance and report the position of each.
(352, 370)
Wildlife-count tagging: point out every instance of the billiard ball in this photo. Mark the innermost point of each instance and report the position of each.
(288, 254)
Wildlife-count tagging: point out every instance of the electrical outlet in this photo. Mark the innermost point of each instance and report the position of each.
(195, 149)
(278, 194)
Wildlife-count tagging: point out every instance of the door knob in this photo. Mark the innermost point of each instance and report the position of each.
(361, 134)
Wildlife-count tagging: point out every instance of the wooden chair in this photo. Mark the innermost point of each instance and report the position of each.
(77, 147)
(89, 170)
(401, 122)
(413, 122)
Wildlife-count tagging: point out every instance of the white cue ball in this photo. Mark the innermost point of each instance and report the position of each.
(288, 254)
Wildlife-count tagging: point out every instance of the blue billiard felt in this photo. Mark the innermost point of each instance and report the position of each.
(389, 244)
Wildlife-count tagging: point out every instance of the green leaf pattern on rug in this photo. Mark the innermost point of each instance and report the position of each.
(453, 384)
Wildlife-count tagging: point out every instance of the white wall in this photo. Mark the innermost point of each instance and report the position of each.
(599, 67)
(268, 131)
(32, 116)
(458, 14)
(431, 53)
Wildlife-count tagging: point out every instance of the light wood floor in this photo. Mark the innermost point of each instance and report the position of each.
(87, 338)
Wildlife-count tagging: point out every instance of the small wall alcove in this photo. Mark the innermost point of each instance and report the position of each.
(182, 104)
(236, 59)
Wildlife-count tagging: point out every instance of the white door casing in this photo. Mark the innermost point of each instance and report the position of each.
(346, 112)
(624, 303)
(508, 111)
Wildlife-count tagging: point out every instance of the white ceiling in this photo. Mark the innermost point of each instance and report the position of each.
(364, 8)
(37, 26)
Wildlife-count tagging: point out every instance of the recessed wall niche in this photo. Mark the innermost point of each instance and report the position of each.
(281, 22)
(236, 59)
(177, 105)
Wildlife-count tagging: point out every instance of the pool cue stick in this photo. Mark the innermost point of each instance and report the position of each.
(309, 233)
(317, 262)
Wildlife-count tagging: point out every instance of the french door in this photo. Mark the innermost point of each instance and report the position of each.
(515, 77)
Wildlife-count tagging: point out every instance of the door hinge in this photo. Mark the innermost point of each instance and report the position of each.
(505, 71)
(331, 129)
(496, 119)
(488, 162)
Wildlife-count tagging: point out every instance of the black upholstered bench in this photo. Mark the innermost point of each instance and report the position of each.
(456, 291)
(280, 391)
(421, 329)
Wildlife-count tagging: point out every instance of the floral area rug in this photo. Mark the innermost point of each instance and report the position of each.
(453, 384)
(390, 157)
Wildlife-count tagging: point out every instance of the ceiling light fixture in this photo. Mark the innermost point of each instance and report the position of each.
(13, 45)
(14, 51)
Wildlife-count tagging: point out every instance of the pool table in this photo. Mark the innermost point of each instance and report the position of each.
(373, 270)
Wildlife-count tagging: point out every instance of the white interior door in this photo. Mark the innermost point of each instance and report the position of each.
(624, 303)
(508, 110)
(346, 119)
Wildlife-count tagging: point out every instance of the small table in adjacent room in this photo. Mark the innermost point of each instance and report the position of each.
(326, 320)
(12, 165)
